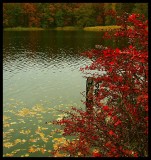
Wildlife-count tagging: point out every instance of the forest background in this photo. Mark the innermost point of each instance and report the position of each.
(52, 15)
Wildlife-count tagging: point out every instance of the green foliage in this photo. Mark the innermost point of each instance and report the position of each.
(59, 17)
(45, 15)
(85, 15)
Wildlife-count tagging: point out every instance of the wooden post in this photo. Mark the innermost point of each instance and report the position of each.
(89, 94)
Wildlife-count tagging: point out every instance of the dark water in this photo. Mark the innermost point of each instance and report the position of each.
(40, 74)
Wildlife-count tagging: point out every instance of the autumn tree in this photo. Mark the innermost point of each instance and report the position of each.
(30, 15)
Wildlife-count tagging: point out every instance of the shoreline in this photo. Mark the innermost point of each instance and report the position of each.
(66, 28)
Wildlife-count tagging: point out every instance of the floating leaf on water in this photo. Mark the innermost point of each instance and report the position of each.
(38, 108)
(15, 151)
(43, 128)
(13, 123)
(11, 99)
(43, 150)
(57, 154)
(25, 131)
(49, 123)
(11, 111)
(45, 139)
(49, 109)
(10, 130)
(25, 112)
(17, 141)
(52, 133)
(32, 149)
(8, 155)
(26, 155)
(23, 141)
(39, 121)
(5, 118)
(33, 140)
(31, 135)
(8, 144)
(6, 125)
(49, 151)
(60, 118)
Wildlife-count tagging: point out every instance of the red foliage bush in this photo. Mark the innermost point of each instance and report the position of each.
(118, 123)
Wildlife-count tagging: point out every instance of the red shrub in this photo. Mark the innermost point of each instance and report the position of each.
(119, 126)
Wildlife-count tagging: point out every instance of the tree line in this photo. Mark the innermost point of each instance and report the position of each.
(47, 15)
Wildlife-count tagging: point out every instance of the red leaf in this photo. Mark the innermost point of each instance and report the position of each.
(117, 123)
(105, 108)
(111, 63)
(130, 47)
(117, 50)
(111, 69)
(95, 154)
(111, 132)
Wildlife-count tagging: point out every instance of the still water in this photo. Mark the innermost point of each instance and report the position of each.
(40, 75)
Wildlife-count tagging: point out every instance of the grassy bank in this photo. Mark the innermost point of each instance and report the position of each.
(101, 28)
(66, 28)
(23, 29)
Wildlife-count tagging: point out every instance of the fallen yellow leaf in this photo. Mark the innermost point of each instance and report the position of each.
(32, 150)
(8, 144)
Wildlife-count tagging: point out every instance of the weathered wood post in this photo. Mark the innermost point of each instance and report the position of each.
(89, 94)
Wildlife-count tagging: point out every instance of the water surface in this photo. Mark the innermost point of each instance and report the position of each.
(40, 74)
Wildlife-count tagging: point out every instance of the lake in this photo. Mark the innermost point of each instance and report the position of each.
(41, 74)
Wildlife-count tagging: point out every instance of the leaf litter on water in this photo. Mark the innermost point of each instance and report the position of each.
(37, 110)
